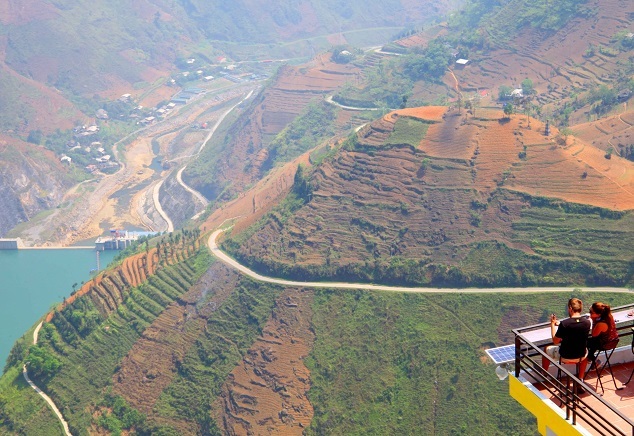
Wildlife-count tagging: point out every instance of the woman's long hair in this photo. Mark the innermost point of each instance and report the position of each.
(604, 311)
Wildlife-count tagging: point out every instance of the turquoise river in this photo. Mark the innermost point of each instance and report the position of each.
(32, 281)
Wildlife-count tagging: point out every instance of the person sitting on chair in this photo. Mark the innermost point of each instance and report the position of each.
(603, 329)
(570, 338)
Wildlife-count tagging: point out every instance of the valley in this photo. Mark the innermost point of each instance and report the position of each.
(343, 227)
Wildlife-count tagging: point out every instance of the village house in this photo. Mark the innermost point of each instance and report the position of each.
(461, 63)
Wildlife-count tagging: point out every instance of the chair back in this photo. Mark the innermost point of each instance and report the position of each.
(611, 345)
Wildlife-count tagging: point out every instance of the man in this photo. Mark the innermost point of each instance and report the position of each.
(570, 338)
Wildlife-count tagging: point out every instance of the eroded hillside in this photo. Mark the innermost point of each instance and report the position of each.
(421, 199)
(31, 180)
(226, 169)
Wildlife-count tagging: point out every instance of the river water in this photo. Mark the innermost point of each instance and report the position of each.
(33, 281)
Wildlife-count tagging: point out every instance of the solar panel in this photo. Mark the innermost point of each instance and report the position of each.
(503, 354)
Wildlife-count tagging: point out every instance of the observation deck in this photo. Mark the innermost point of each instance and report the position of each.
(568, 405)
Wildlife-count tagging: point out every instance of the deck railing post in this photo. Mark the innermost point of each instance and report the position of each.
(518, 347)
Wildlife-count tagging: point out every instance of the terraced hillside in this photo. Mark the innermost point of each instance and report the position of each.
(85, 338)
(437, 196)
(563, 63)
(611, 133)
(225, 169)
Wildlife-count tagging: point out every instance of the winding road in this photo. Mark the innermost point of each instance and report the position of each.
(179, 178)
(48, 399)
(222, 256)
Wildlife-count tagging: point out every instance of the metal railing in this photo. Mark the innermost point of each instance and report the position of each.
(573, 394)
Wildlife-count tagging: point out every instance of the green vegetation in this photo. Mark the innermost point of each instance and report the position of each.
(571, 244)
(122, 417)
(508, 110)
(389, 363)
(343, 54)
(505, 21)
(385, 86)
(13, 94)
(301, 184)
(204, 173)
(430, 63)
(22, 410)
(64, 142)
(410, 131)
(78, 353)
(311, 127)
(229, 333)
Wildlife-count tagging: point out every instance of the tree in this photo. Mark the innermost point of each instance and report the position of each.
(301, 184)
(508, 110)
(424, 165)
(504, 92)
(42, 362)
(35, 137)
(527, 87)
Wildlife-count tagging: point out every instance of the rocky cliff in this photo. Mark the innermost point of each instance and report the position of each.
(31, 180)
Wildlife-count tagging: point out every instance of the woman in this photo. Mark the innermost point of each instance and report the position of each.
(603, 329)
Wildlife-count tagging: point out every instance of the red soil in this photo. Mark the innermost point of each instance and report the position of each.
(556, 64)
(266, 392)
(614, 131)
(427, 113)
(278, 105)
(131, 268)
(51, 110)
(151, 364)
(450, 139)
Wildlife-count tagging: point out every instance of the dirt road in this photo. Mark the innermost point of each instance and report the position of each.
(116, 200)
(216, 251)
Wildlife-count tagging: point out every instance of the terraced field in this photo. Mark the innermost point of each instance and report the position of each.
(229, 167)
(266, 392)
(557, 63)
(612, 132)
(462, 185)
(91, 332)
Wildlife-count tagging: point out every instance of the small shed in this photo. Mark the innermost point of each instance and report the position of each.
(460, 63)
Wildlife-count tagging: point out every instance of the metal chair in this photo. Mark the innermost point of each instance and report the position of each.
(632, 373)
(577, 363)
(607, 351)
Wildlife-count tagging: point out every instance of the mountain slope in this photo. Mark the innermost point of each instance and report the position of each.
(464, 201)
(31, 180)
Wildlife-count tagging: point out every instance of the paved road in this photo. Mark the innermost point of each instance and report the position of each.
(159, 208)
(39, 391)
(341, 285)
(179, 178)
(350, 108)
